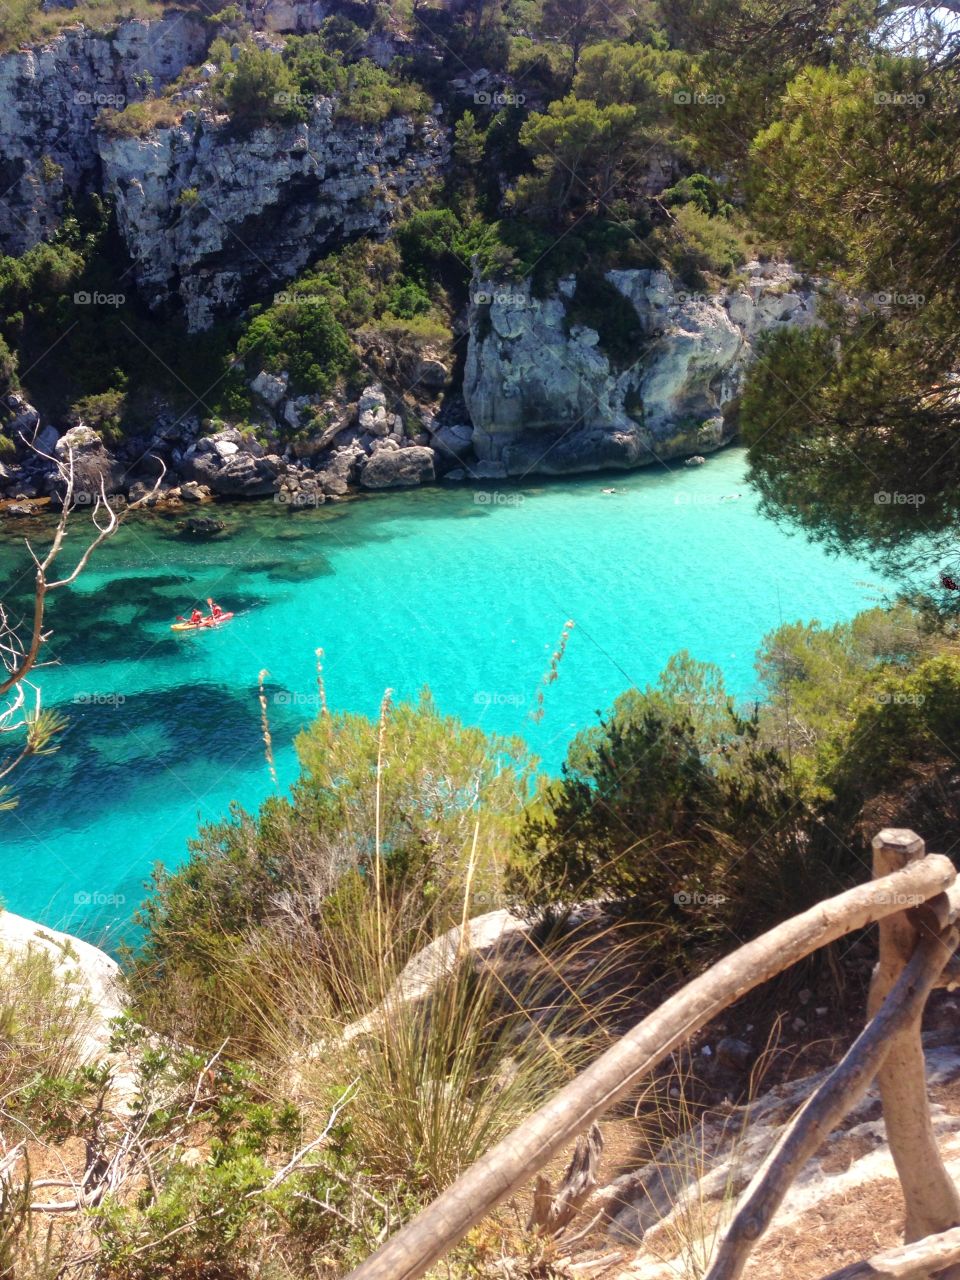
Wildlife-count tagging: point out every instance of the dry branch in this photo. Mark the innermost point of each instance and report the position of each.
(553, 1210)
(825, 1108)
(515, 1160)
(906, 1262)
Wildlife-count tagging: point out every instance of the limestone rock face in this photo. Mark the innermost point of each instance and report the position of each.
(393, 468)
(269, 202)
(545, 396)
(49, 99)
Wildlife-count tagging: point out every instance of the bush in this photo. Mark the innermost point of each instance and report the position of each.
(43, 1023)
(314, 858)
(656, 808)
(103, 412)
(258, 88)
(696, 243)
(305, 339)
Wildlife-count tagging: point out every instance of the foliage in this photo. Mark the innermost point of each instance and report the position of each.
(815, 679)
(304, 338)
(656, 809)
(103, 412)
(696, 245)
(443, 785)
(218, 1200)
(43, 1023)
(258, 88)
(867, 457)
(577, 22)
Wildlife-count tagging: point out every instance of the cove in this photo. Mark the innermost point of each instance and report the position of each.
(466, 591)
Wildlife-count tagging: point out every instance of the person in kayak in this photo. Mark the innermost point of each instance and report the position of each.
(196, 617)
(216, 612)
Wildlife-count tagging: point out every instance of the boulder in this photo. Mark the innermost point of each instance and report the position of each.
(46, 439)
(453, 442)
(395, 468)
(237, 476)
(271, 388)
(93, 465)
(431, 374)
(201, 527)
(190, 491)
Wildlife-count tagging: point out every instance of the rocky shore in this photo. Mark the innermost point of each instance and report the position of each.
(541, 395)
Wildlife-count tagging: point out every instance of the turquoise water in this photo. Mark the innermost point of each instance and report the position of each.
(465, 592)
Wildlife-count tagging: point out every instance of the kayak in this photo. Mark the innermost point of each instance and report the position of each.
(202, 624)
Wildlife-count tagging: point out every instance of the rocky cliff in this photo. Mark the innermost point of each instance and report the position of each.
(49, 99)
(548, 393)
(261, 206)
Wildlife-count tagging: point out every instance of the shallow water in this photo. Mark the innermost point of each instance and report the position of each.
(467, 592)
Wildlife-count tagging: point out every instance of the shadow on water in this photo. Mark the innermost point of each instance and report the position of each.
(116, 747)
(119, 621)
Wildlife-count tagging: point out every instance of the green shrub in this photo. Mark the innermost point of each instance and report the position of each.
(304, 338)
(258, 88)
(315, 856)
(700, 192)
(697, 244)
(43, 1025)
(103, 412)
(657, 808)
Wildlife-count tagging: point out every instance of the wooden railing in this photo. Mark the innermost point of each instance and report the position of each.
(915, 899)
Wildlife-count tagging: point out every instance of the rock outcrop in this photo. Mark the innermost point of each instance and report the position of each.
(232, 465)
(95, 469)
(391, 468)
(266, 205)
(545, 395)
(50, 97)
(88, 973)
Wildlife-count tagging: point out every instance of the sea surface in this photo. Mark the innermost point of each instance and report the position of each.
(465, 591)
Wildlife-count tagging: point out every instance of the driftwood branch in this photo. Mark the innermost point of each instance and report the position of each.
(519, 1156)
(552, 1210)
(825, 1108)
(907, 1261)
